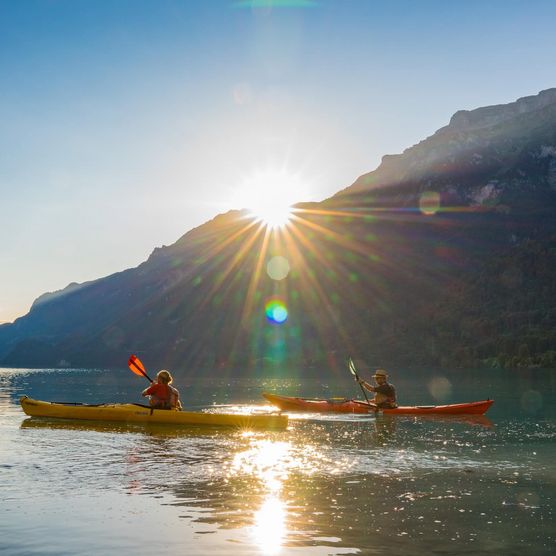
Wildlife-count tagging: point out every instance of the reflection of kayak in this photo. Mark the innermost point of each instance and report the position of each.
(117, 427)
(136, 413)
(340, 405)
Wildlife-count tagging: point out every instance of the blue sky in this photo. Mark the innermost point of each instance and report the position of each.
(126, 123)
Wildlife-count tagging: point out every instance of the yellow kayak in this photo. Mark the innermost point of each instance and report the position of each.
(136, 413)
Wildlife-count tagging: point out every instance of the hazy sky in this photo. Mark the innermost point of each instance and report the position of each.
(125, 123)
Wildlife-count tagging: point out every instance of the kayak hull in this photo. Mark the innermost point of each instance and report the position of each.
(287, 403)
(135, 413)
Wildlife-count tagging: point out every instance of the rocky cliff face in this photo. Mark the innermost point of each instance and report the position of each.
(444, 255)
(491, 116)
(481, 158)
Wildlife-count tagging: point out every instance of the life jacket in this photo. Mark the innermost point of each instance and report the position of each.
(171, 401)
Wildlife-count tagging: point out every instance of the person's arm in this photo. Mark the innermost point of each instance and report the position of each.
(366, 385)
(147, 391)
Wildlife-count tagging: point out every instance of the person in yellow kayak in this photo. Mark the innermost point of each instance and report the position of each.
(385, 393)
(162, 395)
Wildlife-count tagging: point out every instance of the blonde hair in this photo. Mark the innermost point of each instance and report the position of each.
(164, 376)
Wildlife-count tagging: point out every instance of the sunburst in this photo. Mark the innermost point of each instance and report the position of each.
(269, 196)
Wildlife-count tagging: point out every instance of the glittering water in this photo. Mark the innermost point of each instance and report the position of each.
(327, 485)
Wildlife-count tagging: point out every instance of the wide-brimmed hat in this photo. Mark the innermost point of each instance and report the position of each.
(380, 373)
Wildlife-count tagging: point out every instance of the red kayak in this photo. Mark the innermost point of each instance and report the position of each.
(342, 405)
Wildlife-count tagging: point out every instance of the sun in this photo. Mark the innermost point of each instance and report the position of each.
(270, 195)
(274, 215)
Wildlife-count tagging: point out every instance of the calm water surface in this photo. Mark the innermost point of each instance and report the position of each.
(327, 485)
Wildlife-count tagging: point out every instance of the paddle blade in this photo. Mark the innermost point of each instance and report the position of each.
(136, 366)
(351, 367)
(353, 371)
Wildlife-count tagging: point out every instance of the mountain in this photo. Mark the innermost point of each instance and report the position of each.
(445, 255)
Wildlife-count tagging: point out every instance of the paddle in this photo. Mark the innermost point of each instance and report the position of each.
(137, 367)
(353, 371)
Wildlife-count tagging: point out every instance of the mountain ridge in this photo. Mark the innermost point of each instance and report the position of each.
(451, 143)
(443, 255)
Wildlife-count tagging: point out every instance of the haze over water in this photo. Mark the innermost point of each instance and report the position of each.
(327, 485)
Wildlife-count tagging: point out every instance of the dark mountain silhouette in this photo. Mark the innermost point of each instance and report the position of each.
(444, 255)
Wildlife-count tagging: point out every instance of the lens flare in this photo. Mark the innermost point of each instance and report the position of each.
(429, 203)
(440, 388)
(531, 401)
(276, 311)
(278, 267)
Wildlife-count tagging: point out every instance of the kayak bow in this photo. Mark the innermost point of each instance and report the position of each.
(136, 413)
(287, 403)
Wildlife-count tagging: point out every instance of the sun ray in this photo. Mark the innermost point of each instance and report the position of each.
(337, 237)
(250, 295)
(237, 258)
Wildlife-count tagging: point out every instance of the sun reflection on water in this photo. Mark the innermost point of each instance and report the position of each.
(270, 525)
(267, 460)
(271, 462)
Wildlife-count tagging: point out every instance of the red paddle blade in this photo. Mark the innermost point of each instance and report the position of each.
(136, 366)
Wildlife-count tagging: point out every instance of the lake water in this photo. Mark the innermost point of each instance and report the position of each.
(327, 485)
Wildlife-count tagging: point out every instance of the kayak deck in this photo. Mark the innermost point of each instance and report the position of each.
(286, 403)
(340, 405)
(136, 413)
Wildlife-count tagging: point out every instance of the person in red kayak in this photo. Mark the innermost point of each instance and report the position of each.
(385, 393)
(162, 394)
